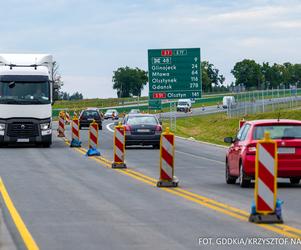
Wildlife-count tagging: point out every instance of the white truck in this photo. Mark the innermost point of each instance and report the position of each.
(184, 105)
(26, 91)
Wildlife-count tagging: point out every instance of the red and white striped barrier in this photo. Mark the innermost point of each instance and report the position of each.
(61, 128)
(167, 153)
(75, 142)
(266, 168)
(93, 139)
(119, 147)
(67, 118)
(241, 123)
(93, 135)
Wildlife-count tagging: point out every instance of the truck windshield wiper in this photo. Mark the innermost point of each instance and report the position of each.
(9, 101)
(37, 101)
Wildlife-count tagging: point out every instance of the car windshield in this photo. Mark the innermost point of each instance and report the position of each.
(137, 120)
(90, 114)
(14, 92)
(280, 131)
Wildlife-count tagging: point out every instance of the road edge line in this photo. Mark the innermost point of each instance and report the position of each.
(19, 223)
(202, 142)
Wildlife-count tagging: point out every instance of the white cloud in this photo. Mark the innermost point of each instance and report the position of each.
(92, 40)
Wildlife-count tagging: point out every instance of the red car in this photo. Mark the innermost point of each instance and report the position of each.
(240, 158)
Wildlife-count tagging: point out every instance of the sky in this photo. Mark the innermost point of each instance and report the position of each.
(91, 39)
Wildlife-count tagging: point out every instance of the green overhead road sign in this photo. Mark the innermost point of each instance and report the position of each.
(174, 73)
(154, 104)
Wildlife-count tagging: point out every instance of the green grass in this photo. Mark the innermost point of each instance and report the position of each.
(97, 102)
(214, 127)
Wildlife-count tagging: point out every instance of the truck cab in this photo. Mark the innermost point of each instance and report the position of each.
(184, 105)
(228, 102)
(25, 99)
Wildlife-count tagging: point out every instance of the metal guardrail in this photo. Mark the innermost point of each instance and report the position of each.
(264, 101)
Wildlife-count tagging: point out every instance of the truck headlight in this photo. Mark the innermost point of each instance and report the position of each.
(2, 126)
(45, 126)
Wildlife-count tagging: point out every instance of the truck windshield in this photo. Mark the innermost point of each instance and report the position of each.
(14, 92)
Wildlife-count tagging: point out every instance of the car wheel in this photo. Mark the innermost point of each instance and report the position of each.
(229, 178)
(295, 180)
(244, 180)
(156, 146)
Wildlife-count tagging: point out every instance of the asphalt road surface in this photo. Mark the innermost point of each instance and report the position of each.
(70, 201)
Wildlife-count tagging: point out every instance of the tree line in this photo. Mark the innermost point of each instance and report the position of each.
(253, 75)
(66, 96)
(247, 73)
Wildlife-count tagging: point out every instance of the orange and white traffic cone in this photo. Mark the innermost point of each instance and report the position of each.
(167, 153)
(93, 140)
(119, 147)
(75, 142)
(267, 208)
(61, 128)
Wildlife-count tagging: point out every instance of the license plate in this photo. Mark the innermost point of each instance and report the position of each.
(90, 119)
(143, 130)
(23, 140)
(286, 150)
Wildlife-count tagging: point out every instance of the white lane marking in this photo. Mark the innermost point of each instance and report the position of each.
(200, 157)
(108, 127)
(202, 142)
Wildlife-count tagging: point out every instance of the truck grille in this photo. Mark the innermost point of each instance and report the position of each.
(22, 130)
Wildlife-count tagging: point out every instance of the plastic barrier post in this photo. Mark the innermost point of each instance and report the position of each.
(75, 142)
(67, 122)
(61, 128)
(267, 208)
(167, 153)
(119, 147)
(93, 140)
(241, 123)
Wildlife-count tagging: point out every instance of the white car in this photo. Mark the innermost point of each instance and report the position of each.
(111, 114)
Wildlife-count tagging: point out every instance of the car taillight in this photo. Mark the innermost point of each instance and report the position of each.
(128, 129)
(251, 149)
(158, 130)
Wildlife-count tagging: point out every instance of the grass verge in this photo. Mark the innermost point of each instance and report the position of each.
(214, 127)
